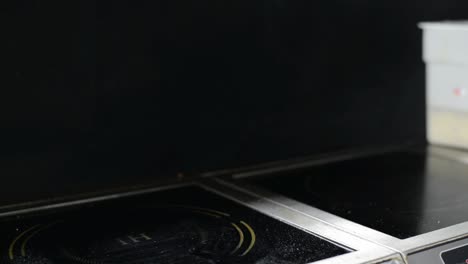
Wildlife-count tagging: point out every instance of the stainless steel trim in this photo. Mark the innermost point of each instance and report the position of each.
(365, 251)
(277, 167)
(449, 153)
(402, 246)
(450, 249)
(360, 257)
(90, 200)
(314, 213)
(432, 255)
(434, 238)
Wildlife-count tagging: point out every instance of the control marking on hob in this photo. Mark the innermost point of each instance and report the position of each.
(241, 238)
(252, 236)
(12, 245)
(26, 240)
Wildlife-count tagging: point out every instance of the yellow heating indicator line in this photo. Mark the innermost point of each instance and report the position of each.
(252, 236)
(241, 238)
(26, 240)
(218, 214)
(12, 245)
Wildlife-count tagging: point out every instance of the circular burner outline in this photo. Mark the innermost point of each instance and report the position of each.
(31, 232)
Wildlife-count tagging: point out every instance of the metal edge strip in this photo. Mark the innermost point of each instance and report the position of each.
(90, 200)
(366, 251)
(404, 247)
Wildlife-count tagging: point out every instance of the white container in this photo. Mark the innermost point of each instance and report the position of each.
(445, 52)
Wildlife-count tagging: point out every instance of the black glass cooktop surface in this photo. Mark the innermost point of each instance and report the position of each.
(185, 225)
(401, 194)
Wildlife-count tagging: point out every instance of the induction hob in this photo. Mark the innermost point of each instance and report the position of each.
(413, 201)
(164, 228)
(400, 194)
(188, 224)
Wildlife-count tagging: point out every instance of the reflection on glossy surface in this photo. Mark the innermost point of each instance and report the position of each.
(402, 194)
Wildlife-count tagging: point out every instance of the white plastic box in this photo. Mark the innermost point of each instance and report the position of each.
(445, 51)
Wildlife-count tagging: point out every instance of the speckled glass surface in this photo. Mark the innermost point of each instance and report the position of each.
(187, 225)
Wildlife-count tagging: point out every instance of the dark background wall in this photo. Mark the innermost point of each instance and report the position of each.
(100, 92)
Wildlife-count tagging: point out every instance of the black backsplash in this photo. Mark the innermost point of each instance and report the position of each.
(101, 91)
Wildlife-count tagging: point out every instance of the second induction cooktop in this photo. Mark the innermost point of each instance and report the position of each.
(401, 194)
